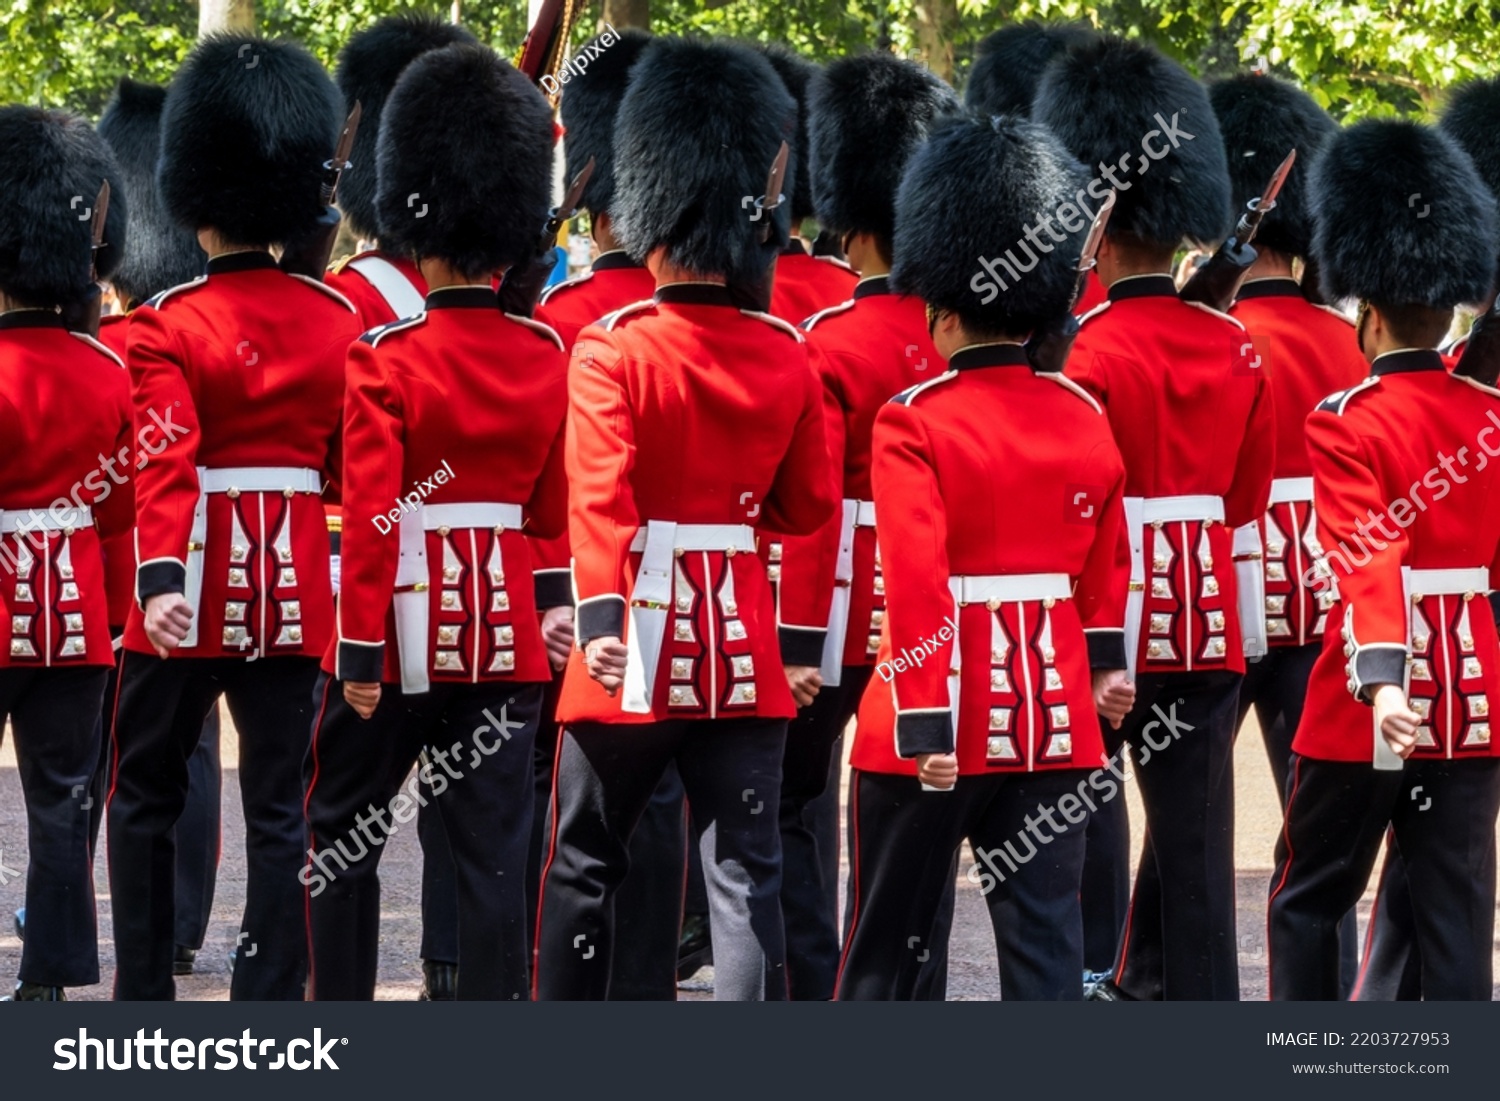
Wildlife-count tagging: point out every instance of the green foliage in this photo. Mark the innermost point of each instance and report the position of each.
(1370, 57)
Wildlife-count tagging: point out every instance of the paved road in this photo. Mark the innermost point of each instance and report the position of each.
(972, 972)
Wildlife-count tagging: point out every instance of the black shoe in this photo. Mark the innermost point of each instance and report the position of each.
(695, 949)
(35, 992)
(21, 923)
(439, 981)
(182, 960)
(1105, 990)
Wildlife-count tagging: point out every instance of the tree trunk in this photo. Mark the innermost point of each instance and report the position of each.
(933, 24)
(216, 16)
(626, 13)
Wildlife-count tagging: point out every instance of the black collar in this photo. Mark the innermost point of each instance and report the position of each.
(32, 319)
(614, 260)
(1406, 360)
(463, 298)
(251, 260)
(1142, 286)
(694, 294)
(988, 355)
(1277, 286)
(874, 284)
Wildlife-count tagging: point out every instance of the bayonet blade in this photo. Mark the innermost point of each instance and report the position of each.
(1095, 236)
(575, 191)
(341, 153)
(774, 180)
(101, 213)
(1251, 219)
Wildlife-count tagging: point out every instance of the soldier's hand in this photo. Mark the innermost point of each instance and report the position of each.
(557, 634)
(168, 617)
(604, 657)
(805, 682)
(1397, 721)
(937, 770)
(1114, 695)
(362, 696)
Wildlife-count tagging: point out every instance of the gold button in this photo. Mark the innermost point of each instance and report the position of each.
(442, 659)
(992, 604)
(1208, 562)
(228, 634)
(1049, 603)
(506, 634)
(729, 607)
(450, 573)
(750, 692)
(1416, 598)
(507, 659)
(675, 695)
(232, 492)
(499, 529)
(1049, 654)
(239, 551)
(69, 531)
(1156, 524)
(729, 553)
(1420, 642)
(295, 634)
(1352, 684)
(444, 530)
(1158, 563)
(449, 600)
(677, 552)
(684, 604)
(288, 491)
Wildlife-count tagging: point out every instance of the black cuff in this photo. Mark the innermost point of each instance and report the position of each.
(335, 541)
(554, 588)
(1106, 649)
(599, 617)
(1495, 603)
(802, 645)
(924, 732)
(155, 578)
(360, 662)
(1373, 666)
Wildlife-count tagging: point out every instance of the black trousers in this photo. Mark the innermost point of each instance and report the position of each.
(648, 907)
(902, 846)
(812, 938)
(479, 740)
(1276, 688)
(1392, 966)
(55, 713)
(198, 832)
(158, 726)
(606, 774)
(1179, 939)
(1443, 817)
(1105, 891)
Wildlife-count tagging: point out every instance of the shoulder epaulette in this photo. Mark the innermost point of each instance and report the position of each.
(339, 265)
(380, 332)
(543, 329)
(98, 346)
(776, 322)
(1068, 384)
(1340, 314)
(609, 321)
(1474, 382)
(907, 396)
(831, 311)
(1336, 403)
(1095, 312)
(326, 289)
(575, 281)
(1236, 322)
(156, 301)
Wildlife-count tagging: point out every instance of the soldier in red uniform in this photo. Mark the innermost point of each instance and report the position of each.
(995, 651)
(63, 400)
(437, 630)
(1392, 966)
(161, 255)
(690, 416)
(804, 283)
(385, 285)
(382, 284)
(1397, 727)
(1191, 412)
(868, 115)
(232, 583)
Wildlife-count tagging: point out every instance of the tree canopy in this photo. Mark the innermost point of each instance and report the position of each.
(1368, 57)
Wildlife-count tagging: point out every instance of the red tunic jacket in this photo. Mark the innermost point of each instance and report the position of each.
(988, 474)
(65, 420)
(865, 351)
(688, 410)
(461, 405)
(1405, 479)
(247, 364)
(1307, 352)
(614, 282)
(353, 278)
(806, 284)
(1191, 412)
(119, 549)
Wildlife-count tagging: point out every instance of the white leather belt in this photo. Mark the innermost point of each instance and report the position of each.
(1250, 589)
(864, 514)
(410, 603)
(1446, 582)
(856, 514)
(233, 480)
(397, 290)
(1011, 588)
(1141, 512)
(651, 597)
(1285, 490)
(14, 520)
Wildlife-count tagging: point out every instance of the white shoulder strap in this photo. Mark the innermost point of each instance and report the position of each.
(399, 294)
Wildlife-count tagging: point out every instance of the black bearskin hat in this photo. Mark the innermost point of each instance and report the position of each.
(1008, 65)
(590, 106)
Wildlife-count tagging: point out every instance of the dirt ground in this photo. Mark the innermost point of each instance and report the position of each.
(972, 971)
